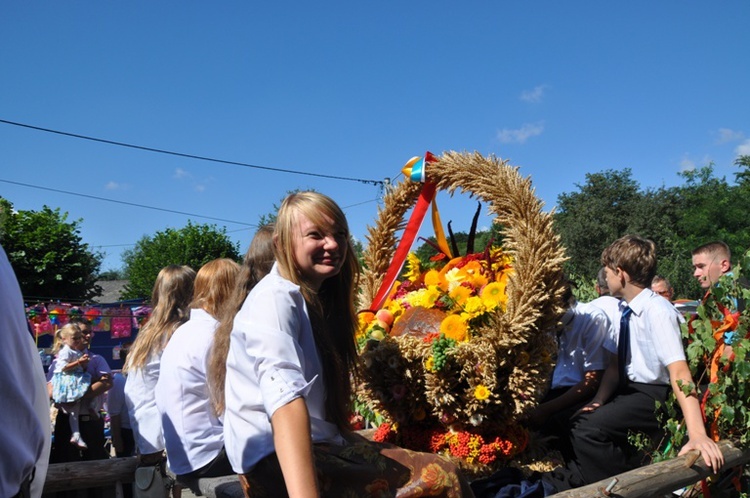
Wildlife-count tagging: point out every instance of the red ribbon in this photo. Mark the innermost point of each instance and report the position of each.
(407, 239)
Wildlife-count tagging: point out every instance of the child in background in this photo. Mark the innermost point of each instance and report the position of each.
(70, 380)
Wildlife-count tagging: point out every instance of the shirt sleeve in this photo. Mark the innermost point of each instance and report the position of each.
(271, 329)
(595, 337)
(667, 339)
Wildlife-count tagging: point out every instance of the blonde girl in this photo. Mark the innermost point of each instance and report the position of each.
(70, 380)
(256, 265)
(288, 386)
(170, 299)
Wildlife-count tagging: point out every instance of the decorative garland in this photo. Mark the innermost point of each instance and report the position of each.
(487, 383)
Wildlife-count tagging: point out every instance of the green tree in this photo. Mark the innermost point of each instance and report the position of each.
(678, 219)
(591, 218)
(48, 255)
(193, 245)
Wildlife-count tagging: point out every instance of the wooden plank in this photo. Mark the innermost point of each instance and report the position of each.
(90, 474)
(660, 478)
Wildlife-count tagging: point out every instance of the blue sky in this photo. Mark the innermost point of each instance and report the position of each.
(354, 89)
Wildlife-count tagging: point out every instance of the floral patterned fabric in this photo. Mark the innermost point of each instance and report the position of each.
(69, 387)
(365, 469)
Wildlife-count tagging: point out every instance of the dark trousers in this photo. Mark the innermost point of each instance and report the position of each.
(217, 467)
(600, 439)
(92, 431)
(128, 443)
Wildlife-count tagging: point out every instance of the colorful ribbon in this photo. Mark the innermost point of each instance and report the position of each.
(416, 170)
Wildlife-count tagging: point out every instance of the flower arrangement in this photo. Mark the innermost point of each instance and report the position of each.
(465, 290)
(458, 352)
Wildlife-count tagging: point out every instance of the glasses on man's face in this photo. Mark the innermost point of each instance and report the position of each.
(663, 293)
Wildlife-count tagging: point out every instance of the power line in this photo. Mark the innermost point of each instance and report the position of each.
(126, 203)
(189, 156)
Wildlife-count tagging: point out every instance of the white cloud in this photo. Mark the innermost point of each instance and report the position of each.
(535, 95)
(726, 135)
(199, 188)
(520, 135)
(743, 149)
(112, 185)
(180, 173)
(687, 164)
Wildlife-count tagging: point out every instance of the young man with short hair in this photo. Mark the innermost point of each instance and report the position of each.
(710, 262)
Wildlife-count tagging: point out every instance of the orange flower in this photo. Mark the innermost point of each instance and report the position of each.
(454, 328)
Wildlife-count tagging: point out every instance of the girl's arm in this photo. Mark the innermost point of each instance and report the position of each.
(71, 366)
(691, 410)
(83, 361)
(293, 442)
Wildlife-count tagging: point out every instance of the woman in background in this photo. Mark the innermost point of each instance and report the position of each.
(171, 296)
(256, 265)
(193, 434)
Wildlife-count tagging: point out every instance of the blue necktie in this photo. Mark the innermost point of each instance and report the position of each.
(622, 346)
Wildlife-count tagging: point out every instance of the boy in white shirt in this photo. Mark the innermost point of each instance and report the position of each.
(654, 360)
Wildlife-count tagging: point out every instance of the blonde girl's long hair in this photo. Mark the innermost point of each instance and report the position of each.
(170, 298)
(213, 286)
(331, 308)
(256, 265)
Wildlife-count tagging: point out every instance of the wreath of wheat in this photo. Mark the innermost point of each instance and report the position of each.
(513, 356)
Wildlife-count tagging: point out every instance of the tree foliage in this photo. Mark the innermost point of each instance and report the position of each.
(678, 219)
(193, 245)
(48, 255)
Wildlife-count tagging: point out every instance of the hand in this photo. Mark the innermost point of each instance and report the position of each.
(591, 407)
(84, 360)
(709, 450)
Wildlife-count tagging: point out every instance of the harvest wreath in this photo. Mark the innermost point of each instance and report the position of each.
(458, 382)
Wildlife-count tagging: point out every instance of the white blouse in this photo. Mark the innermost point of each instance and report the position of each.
(192, 433)
(272, 360)
(141, 402)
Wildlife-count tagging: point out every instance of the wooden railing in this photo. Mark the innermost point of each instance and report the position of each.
(660, 478)
(652, 480)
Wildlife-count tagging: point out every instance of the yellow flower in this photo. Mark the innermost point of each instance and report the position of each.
(493, 294)
(423, 297)
(412, 267)
(481, 392)
(429, 365)
(473, 308)
(454, 328)
(434, 278)
(460, 294)
(396, 308)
